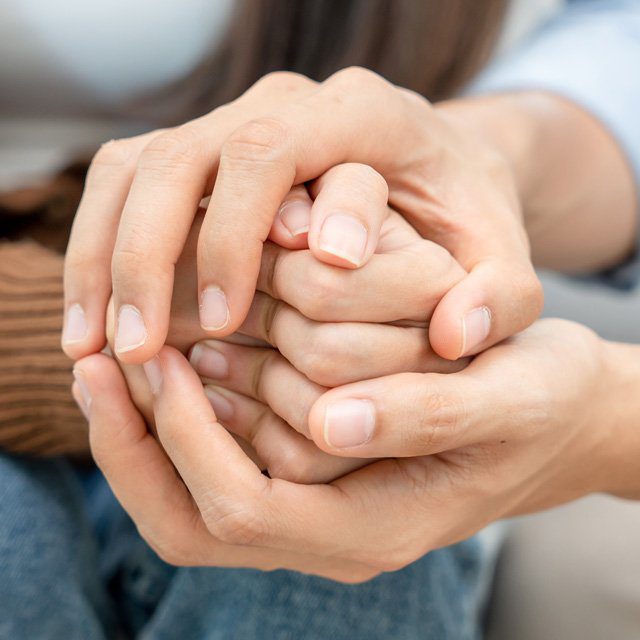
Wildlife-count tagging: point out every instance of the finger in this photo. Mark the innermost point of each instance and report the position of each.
(170, 180)
(239, 505)
(286, 454)
(139, 473)
(259, 163)
(409, 414)
(350, 205)
(261, 374)
(402, 285)
(87, 269)
(291, 225)
(332, 354)
(500, 296)
(145, 482)
(498, 299)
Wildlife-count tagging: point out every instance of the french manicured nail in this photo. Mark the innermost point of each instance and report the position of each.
(475, 329)
(85, 395)
(221, 406)
(345, 237)
(153, 371)
(296, 216)
(131, 332)
(349, 423)
(75, 328)
(209, 362)
(214, 311)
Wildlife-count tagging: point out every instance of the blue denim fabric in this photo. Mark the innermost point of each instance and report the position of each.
(63, 579)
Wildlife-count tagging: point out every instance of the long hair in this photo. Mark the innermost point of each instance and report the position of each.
(430, 46)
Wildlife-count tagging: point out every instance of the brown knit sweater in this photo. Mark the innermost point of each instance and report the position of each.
(37, 413)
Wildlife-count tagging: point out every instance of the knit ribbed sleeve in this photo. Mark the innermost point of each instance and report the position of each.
(37, 413)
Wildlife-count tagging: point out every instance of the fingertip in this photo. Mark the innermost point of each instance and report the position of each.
(294, 219)
(342, 240)
(82, 333)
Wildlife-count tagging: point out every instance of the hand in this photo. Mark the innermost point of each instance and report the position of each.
(512, 433)
(142, 194)
(390, 287)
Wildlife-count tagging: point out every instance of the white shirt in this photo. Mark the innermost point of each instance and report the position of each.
(67, 67)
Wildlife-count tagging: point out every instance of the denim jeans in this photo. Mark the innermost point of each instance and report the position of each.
(72, 566)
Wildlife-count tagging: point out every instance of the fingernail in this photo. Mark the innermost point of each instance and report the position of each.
(131, 332)
(345, 237)
(85, 395)
(76, 328)
(153, 371)
(214, 312)
(209, 362)
(475, 329)
(349, 423)
(221, 406)
(295, 216)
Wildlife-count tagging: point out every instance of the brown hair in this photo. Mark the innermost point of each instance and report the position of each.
(430, 46)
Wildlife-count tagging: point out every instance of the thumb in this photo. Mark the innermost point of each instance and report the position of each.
(497, 299)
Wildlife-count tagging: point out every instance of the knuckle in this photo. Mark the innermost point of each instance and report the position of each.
(127, 263)
(325, 356)
(268, 317)
(266, 361)
(79, 259)
(322, 293)
(115, 154)
(283, 82)
(234, 522)
(442, 418)
(170, 151)
(363, 181)
(293, 464)
(261, 141)
(358, 78)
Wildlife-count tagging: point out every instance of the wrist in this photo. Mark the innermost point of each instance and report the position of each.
(621, 418)
(574, 183)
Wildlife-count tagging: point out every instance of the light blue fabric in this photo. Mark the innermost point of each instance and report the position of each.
(590, 54)
(62, 580)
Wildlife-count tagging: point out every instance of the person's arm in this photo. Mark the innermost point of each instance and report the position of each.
(37, 414)
(563, 109)
(623, 367)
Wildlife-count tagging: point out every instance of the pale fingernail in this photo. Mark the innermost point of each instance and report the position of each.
(131, 332)
(349, 423)
(75, 328)
(85, 395)
(209, 362)
(345, 237)
(475, 329)
(214, 311)
(221, 406)
(153, 371)
(295, 215)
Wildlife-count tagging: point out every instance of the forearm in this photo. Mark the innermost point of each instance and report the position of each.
(576, 187)
(621, 417)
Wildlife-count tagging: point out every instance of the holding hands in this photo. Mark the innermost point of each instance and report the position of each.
(358, 246)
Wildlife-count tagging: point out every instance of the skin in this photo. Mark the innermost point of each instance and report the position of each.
(532, 435)
(316, 326)
(512, 433)
(142, 195)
